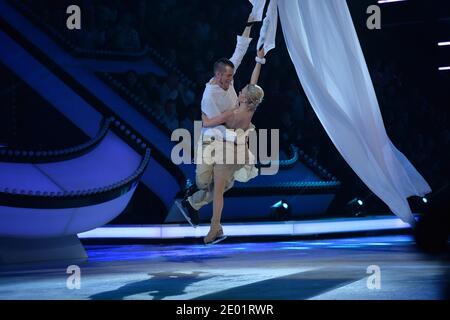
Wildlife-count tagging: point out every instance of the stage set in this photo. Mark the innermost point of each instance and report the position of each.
(121, 123)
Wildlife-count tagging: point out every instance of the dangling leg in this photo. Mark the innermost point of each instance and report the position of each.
(190, 205)
(215, 233)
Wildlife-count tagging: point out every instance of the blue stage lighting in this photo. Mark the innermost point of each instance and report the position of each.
(281, 210)
(356, 206)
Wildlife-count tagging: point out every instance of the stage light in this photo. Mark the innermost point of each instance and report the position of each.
(280, 210)
(355, 207)
(310, 227)
(389, 1)
(354, 201)
(425, 200)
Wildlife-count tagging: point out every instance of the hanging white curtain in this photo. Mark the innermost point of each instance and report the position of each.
(324, 47)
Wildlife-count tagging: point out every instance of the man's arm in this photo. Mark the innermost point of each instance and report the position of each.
(208, 105)
(247, 30)
(216, 121)
(243, 42)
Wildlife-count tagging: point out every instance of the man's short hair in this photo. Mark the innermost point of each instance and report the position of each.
(220, 65)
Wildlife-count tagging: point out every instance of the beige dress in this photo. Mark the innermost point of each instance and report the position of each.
(233, 160)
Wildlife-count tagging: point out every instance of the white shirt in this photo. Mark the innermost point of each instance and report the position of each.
(217, 100)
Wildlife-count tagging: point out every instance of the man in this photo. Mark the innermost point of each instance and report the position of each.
(218, 99)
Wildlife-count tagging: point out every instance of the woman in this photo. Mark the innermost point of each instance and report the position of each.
(238, 118)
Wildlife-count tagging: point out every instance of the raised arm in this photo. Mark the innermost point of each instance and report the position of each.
(243, 42)
(247, 30)
(257, 69)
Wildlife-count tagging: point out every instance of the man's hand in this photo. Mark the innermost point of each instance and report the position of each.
(227, 115)
(261, 53)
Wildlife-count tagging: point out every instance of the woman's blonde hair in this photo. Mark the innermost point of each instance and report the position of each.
(255, 95)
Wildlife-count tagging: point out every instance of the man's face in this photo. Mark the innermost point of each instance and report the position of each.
(225, 77)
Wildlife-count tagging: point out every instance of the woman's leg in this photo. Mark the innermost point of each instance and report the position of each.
(221, 181)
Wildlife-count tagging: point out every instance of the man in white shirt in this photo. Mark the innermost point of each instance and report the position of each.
(218, 99)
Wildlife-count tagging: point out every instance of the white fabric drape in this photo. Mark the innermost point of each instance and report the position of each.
(324, 47)
(258, 10)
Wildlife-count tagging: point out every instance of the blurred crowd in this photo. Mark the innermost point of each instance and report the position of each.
(173, 103)
(105, 24)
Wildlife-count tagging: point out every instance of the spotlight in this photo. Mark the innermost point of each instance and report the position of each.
(281, 210)
(355, 201)
(355, 206)
(425, 200)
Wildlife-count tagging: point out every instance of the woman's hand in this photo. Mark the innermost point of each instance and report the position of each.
(261, 53)
(257, 69)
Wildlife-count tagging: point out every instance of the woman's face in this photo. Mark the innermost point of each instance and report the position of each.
(243, 95)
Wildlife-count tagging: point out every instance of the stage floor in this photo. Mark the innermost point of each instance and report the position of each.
(308, 269)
